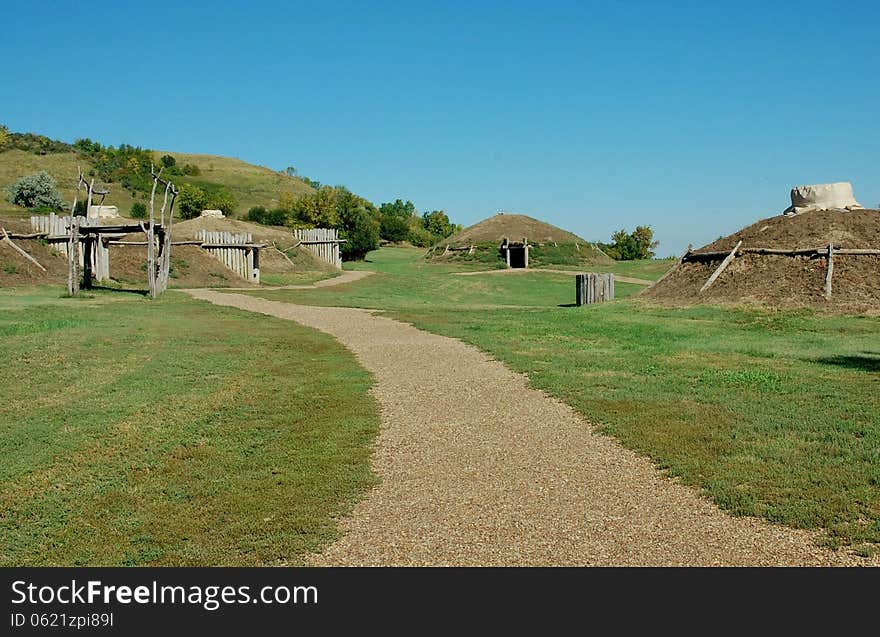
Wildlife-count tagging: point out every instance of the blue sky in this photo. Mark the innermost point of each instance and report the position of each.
(692, 117)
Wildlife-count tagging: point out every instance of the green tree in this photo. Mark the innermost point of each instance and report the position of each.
(191, 201)
(643, 237)
(38, 190)
(438, 224)
(358, 224)
(317, 209)
(168, 161)
(221, 199)
(394, 219)
(626, 246)
(138, 210)
(393, 228)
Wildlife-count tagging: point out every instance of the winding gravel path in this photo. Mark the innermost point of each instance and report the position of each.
(479, 469)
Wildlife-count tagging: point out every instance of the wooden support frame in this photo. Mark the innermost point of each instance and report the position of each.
(727, 261)
(829, 272)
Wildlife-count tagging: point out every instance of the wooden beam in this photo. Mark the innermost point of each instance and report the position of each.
(721, 267)
(829, 272)
(20, 251)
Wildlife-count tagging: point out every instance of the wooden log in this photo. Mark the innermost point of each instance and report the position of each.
(88, 256)
(856, 251)
(829, 272)
(20, 250)
(72, 260)
(721, 267)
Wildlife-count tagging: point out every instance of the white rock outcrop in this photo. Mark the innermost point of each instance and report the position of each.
(212, 214)
(836, 196)
(103, 212)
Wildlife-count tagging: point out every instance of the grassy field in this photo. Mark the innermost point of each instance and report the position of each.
(173, 432)
(250, 185)
(775, 414)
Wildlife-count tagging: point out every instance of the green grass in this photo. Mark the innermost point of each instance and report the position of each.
(775, 414)
(173, 432)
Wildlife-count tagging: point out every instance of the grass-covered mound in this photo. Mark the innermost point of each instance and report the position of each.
(551, 246)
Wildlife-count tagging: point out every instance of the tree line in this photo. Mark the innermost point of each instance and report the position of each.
(360, 222)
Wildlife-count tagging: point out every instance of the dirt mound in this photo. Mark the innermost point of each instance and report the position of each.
(785, 280)
(551, 246)
(514, 227)
(190, 265)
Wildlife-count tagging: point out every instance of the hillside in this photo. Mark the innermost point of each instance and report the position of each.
(250, 185)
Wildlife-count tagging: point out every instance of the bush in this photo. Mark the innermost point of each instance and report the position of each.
(420, 237)
(221, 199)
(358, 225)
(36, 191)
(168, 161)
(274, 217)
(138, 210)
(191, 169)
(393, 227)
(191, 201)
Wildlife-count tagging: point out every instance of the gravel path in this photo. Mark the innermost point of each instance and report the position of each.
(617, 277)
(348, 276)
(479, 469)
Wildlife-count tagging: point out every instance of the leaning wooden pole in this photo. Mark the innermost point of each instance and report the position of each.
(722, 267)
(73, 243)
(165, 264)
(151, 245)
(675, 267)
(830, 272)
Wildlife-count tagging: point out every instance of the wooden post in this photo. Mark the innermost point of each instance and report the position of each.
(829, 272)
(580, 288)
(73, 258)
(151, 237)
(721, 267)
(88, 243)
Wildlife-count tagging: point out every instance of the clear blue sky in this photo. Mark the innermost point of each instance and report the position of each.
(693, 117)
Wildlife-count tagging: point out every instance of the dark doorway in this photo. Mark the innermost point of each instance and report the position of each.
(517, 256)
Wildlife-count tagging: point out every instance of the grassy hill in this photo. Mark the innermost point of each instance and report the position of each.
(551, 246)
(250, 185)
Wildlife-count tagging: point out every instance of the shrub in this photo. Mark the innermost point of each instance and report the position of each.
(273, 217)
(358, 225)
(191, 169)
(168, 161)
(138, 210)
(36, 191)
(393, 227)
(191, 201)
(420, 237)
(221, 199)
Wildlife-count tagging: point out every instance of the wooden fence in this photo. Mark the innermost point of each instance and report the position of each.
(593, 288)
(323, 243)
(57, 232)
(237, 251)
